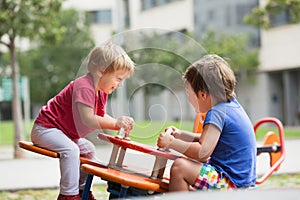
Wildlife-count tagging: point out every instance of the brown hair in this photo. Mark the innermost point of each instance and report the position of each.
(108, 58)
(213, 75)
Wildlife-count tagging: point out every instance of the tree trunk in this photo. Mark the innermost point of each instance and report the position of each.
(146, 104)
(16, 106)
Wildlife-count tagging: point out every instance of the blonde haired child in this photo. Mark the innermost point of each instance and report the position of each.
(79, 109)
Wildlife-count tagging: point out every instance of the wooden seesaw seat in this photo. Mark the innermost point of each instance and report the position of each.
(39, 150)
(92, 168)
(30, 147)
(126, 178)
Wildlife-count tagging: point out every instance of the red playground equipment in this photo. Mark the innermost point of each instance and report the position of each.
(124, 181)
(273, 145)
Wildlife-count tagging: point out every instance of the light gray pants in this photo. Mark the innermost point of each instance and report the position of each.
(72, 178)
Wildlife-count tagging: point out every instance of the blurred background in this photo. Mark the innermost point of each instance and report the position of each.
(44, 43)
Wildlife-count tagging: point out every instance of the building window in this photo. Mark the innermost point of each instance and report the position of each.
(127, 14)
(241, 11)
(148, 4)
(211, 15)
(101, 16)
(228, 16)
(281, 18)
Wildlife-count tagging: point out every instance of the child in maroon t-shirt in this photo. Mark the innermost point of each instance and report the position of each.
(79, 109)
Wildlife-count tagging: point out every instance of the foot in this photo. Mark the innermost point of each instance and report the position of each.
(68, 197)
(90, 197)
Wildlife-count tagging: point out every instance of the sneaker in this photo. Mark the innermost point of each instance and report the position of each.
(68, 197)
(90, 197)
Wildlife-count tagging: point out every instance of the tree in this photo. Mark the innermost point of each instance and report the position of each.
(59, 62)
(25, 19)
(176, 51)
(234, 48)
(159, 66)
(261, 16)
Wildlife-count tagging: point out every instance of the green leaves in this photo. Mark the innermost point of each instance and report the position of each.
(234, 48)
(262, 16)
(56, 61)
(28, 19)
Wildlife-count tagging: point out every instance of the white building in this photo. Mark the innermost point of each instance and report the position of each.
(103, 14)
(176, 15)
(112, 17)
(276, 91)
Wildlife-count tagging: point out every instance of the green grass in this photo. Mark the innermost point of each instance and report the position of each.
(99, 192)
(281, 181)
(144, 131)
(289, 132)
(7, 132)
(147, 131)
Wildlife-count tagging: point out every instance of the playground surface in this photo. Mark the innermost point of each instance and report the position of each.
(287, 194)
(37, 171)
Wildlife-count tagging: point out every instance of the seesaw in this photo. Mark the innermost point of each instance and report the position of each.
(124, 181)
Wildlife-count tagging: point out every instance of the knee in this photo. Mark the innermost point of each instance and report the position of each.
(178, 167)
(90, 147)
(72, 151)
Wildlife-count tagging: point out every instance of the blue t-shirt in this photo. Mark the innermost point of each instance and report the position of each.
(235, 152)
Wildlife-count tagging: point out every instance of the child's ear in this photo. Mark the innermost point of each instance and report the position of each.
(202, 95)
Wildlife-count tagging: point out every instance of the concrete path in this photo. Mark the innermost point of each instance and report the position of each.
(37, 171)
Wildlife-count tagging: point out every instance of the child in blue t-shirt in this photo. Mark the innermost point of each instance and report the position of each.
(224, 155)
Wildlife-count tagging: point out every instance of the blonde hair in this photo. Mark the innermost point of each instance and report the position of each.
(109, 58)
(213, 75)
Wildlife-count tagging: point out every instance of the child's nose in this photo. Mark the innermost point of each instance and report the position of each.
(120, 84)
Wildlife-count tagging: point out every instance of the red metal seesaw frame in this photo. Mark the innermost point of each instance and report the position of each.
(274, 166)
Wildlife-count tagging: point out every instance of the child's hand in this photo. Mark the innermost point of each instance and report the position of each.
(164, 140)
(175, 131)
(125, 122)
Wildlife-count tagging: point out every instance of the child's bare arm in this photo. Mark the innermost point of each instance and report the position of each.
(106, 122)
(184, 135)
(200, 150)
(208, 140)
(94, 121)
(188, 136)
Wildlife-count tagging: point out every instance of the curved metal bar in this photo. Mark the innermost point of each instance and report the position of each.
(282, 145)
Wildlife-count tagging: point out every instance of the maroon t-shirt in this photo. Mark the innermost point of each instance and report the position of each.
(61, 111)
